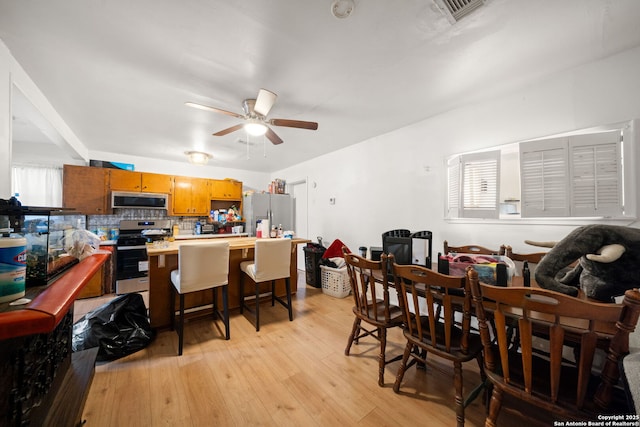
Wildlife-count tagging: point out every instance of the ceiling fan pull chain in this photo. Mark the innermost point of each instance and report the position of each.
(264, 144)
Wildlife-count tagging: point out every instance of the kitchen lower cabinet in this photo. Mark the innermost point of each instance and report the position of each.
(85, 189)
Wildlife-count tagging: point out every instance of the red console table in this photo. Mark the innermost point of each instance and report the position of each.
(44, 383)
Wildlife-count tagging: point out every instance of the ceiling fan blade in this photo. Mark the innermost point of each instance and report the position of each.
(215, 110)
(264, 102)
(294, 124)
(228, 130)
(275, 139)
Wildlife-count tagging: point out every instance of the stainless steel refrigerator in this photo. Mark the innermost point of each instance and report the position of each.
(277, 208)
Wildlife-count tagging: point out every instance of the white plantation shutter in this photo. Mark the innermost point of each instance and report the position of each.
(544, 178)
(577, 176)
(453, 185)
(596, 174)
(480, 190)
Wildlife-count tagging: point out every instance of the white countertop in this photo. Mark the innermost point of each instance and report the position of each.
(209, 236)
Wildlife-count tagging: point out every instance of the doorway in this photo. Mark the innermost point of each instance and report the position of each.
(298, 190)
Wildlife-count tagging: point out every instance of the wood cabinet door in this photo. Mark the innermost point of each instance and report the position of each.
(226, 190)
(123, 180)
(200, 196)
(181, 200)
(84, 189)
(156, 183)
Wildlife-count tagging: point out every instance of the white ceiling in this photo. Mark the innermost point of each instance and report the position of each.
(119, 72)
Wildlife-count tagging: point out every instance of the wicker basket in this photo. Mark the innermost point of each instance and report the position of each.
(335, 281)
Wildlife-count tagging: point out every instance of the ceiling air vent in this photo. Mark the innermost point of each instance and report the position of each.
(458, 9)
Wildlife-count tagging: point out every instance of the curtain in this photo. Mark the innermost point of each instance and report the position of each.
(37, 185)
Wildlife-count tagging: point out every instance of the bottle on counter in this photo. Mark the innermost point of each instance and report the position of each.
(274, 232)
(198, 228)
(175, 230)
(280, 232)
(526, 274)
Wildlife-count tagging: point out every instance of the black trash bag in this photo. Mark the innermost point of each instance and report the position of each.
(119, 327)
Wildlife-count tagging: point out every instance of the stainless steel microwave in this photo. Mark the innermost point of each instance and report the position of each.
(125, 199)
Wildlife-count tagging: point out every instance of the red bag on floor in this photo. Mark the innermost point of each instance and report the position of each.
(335, 250)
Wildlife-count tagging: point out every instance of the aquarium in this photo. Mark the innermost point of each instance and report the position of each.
(48, 233)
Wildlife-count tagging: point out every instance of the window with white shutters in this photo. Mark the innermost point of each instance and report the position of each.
(577, 176)
(453, 184)
(473, 185)
(596, 174)
(544, 178)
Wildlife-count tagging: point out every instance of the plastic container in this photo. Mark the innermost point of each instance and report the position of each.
(335, 281)
(13, 267)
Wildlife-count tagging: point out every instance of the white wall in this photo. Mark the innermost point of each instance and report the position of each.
(12, 75)
(397, 180)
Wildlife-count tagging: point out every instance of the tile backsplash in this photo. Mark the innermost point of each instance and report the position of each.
(108, 222)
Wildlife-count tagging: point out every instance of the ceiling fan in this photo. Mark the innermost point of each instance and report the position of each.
(255, 117)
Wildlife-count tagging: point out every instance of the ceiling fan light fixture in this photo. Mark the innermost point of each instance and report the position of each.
(198, 157)
(255, 128)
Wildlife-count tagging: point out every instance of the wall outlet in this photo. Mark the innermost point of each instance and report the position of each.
(332, 201)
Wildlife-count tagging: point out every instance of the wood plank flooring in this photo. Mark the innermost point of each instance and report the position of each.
(288, 374)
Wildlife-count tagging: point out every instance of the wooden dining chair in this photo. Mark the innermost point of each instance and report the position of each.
(370, 290)
(272, 261)
(427, 330)
(473, 249)
(549, 381)
(200, 267)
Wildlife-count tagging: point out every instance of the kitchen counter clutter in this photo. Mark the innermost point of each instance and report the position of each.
(164, 258)
(209, 236)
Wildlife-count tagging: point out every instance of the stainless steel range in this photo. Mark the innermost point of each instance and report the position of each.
(132, 264)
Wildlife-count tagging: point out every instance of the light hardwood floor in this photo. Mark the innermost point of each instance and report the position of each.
(288, 374)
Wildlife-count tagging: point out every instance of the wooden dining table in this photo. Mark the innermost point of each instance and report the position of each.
(612, 338)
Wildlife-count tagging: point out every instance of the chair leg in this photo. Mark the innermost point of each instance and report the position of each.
(494, 407)
(225, 307)
(273, 293)
(457, 381)
(257, 307)
(353, 335)
(181, 325)
(382, 334)
(172, 304)
(403, 367)
(288, 286)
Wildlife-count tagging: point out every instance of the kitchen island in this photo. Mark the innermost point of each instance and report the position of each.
(163, 258)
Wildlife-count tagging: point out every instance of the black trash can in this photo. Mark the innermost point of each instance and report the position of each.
(312, 256)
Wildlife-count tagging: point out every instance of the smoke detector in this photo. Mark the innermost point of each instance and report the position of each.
(342, 8)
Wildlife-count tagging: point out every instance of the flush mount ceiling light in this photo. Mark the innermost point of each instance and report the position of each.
(342, 8)
(198, 157)
(255, 127)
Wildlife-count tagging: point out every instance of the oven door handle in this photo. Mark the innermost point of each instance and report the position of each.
(130, 248)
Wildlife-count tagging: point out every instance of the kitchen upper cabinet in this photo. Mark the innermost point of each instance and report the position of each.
(122, 180)
(226, 189)
(85, 189)
(191, 196)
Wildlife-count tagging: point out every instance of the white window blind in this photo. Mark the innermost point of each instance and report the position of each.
(453, 184)
(473, 185)
(596, 174)
(544, 180)
(578, 176)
